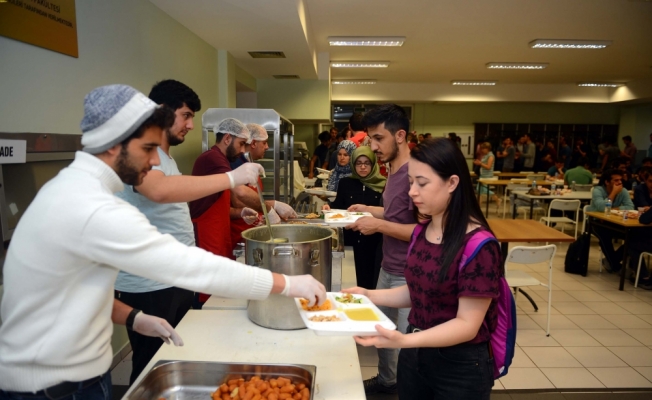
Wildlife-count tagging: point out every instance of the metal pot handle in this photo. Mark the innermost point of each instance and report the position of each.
(286, 251)
(258, 256)
(314, 258)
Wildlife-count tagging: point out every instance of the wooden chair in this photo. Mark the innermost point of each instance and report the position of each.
(518, 279)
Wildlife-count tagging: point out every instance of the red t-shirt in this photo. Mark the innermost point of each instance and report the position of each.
(434, 303)
(210, 162)
(358, 137)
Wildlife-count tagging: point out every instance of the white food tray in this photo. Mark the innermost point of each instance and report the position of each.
(321, 192)
(323, 176)
(346, 326)
(348, 217)
(620, 212)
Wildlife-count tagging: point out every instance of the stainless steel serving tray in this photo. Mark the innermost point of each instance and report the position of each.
(196, 380)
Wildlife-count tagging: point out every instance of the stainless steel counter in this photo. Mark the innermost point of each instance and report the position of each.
(229, 336)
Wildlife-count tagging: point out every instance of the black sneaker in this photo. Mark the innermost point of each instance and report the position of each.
(372, 386)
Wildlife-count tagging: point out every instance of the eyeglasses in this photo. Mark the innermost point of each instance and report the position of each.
(363, 164)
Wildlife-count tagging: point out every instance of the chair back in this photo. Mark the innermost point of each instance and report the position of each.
(565, 205)
(517, 186)
(536, 177)
(532, 255)
(585, 209)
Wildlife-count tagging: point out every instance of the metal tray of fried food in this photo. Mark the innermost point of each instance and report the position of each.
(197, 380)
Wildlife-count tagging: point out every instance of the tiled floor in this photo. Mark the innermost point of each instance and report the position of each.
(600, 342)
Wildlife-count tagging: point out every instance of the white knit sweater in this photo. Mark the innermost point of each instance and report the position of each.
(61, 266)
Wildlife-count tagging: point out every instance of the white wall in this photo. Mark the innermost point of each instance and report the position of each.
(120, 41)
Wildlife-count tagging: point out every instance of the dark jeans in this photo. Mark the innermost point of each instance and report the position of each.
(635, 248)
(170, 304)
(606, 237)
(459, 372)
(100, 390)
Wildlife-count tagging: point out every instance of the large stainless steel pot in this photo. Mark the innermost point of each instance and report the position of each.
(308, 251)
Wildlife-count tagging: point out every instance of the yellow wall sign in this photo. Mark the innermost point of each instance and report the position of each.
(51, 24)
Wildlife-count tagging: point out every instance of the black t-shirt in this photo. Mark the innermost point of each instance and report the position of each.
(321, 152)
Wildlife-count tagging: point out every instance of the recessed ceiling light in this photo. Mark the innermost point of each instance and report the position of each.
(600, 84)
(474, 83)
(516, 65)
(366, 40)
(359, 64)
(569, 44)
(354, 82)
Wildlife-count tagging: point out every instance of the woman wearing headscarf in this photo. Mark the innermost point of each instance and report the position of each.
(343, 167)
(364, 186)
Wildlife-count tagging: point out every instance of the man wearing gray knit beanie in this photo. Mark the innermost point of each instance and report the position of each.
(73, 239)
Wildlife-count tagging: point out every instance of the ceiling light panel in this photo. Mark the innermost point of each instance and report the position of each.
(474, 83)
(601, 84)
(569, 44)
(387, 41)
(359, 64)
(354, 82)
(516, 65)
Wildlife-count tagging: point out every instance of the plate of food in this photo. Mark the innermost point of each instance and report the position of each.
(631, 214)
(343, 314)
(341, 218)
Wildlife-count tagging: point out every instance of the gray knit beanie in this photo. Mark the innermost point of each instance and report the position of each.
(111, 114)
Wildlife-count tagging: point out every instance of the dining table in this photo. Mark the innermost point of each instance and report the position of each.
(623, 228)
(509, 231)
(576, 195)
(502, 182)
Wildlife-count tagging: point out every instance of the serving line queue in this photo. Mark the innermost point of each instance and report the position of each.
(64, 347)
(76, 235)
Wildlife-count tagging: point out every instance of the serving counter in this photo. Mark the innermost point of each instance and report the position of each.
(229, 336)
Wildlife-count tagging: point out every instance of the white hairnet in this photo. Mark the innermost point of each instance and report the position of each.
(233, 127)
(257, 132)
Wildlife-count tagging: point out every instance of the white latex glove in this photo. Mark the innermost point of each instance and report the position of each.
(273, 217)
(250, 216)
(284, 210)
(150, 325)
(246, 174)
(304, 286)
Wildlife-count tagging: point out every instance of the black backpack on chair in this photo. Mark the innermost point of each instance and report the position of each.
(577, 260)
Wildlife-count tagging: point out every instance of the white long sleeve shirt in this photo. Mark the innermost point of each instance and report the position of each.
(61, 266)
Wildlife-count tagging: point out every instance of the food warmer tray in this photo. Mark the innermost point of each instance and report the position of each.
(196, 380)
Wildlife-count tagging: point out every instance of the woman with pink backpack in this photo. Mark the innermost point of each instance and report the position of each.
(462, 319)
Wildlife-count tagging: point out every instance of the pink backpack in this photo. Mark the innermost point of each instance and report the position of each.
(503, 338)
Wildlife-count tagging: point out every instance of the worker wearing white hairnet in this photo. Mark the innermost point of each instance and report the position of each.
(254, 150)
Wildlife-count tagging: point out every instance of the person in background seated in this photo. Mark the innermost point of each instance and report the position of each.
(643, 192)
(557, 171)
(364, 186)
(486, 165)
(445, 350)
(320, 156)
(610, 187)
(646, 163)
(343, 168)
(421, 137)
(580, 174)
(621, 164)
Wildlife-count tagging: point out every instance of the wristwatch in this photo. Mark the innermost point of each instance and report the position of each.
(130, 319)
